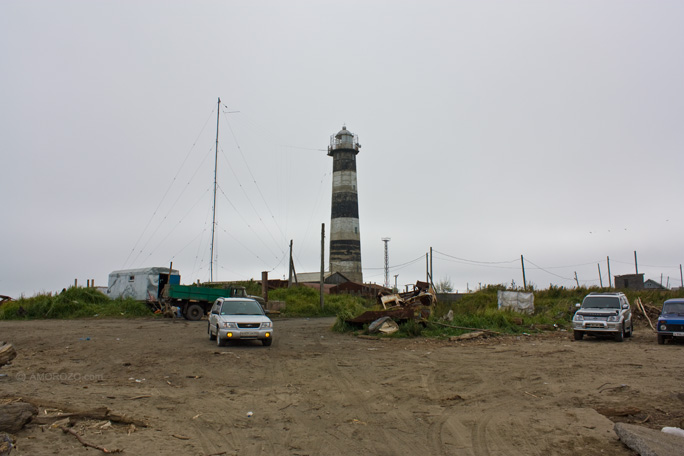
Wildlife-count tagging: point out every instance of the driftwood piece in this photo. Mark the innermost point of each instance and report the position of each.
(624, 411)
(640, 305)
(466, 336)
(86, 444)
(100, 413)
(15, 415)
(7, 353)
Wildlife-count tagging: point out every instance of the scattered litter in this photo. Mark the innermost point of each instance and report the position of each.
(84, 338)
(59, 423)
(384, 325)
(137, 380)
(181, 437)
(673, 431)
(250, 414)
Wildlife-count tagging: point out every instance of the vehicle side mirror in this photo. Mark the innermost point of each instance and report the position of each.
(215, 312)
(625, 306)
(578, 305)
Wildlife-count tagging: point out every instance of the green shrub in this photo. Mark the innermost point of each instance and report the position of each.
(72, 303)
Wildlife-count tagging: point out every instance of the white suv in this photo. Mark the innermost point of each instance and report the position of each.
(239, 319)
(601, 314)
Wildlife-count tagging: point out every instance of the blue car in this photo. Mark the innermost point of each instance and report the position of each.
(671, 320)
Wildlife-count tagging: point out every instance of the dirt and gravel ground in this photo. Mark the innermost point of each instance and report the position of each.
(315, 392)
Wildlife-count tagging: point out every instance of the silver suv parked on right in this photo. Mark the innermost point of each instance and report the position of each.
(603, 314)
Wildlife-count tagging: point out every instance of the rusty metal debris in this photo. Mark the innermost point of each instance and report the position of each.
(416, 304)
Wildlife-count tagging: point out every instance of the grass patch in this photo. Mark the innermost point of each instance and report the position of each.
(305, 302)
(554, 309)
(72, 303)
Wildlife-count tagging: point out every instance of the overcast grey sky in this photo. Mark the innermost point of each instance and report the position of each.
(489, 130)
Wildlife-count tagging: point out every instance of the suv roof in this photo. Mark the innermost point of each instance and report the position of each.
(239, 298)
(616, 293)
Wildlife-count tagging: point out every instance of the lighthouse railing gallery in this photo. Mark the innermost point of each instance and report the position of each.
(349, 141)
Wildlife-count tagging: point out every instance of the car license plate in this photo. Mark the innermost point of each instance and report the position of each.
(250, 333)
(678, 334)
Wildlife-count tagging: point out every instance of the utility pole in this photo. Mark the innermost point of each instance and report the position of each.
(386, 241)
(522, 263)
(576, 281)
(681, 277)
(600, 278)
(322, 260)
(610, 283)
(427, 268)
(636, 266)
(395, 283)
(432, 277)
(213, 221)
(289, 276)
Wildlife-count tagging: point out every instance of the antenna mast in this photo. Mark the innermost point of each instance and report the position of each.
(386, 241)
(213, 221)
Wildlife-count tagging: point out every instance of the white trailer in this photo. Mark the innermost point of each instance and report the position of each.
(144, 284)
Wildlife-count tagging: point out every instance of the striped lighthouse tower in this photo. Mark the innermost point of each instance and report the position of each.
(345, 237)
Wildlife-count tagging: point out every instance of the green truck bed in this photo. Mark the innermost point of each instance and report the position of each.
(192, 293)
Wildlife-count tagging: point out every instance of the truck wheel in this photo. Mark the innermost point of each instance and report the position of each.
(620, 335)
(579, 335)
(194, 312)
(661, 339)
(631, 329)
(267, 342)
(211, 335)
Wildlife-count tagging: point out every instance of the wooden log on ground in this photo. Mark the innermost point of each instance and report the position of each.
(100, 414)
(7, 353)
(15, 415)
(467, 336)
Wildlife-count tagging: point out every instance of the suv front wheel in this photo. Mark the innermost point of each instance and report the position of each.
(620, 335)
(579, 335)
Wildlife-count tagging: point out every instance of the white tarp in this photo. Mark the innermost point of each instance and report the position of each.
(517, 301)
(139, 284)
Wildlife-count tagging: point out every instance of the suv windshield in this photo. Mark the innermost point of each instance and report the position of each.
(673, 308)
(241, 308)
(601, 302)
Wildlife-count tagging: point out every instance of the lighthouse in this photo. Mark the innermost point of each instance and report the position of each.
(345, 236)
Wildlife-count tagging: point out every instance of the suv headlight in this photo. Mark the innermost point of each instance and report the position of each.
(614, 318)
(663, 326)
(267, 325)
(579, 317)
(228, 324)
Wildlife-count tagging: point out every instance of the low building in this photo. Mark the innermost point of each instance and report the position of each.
(651, 284)
(629, 281)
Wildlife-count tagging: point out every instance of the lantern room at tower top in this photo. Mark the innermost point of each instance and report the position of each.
(344, 139)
